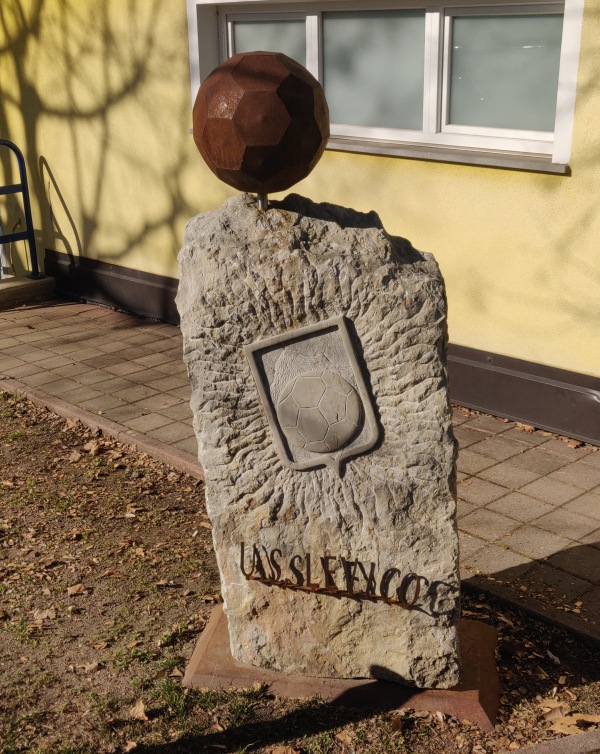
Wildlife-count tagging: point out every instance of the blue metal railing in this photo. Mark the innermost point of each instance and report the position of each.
(21, 188)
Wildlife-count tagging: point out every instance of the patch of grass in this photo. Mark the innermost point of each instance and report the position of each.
(104, 705)
(240, 710)
(322, 743)
(205, 699)
(170, 661)
(18, 435)
(173, 697)
(20, 630)
(176, 634)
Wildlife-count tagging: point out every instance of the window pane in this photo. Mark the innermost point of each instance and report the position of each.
(373, 68)
(288, 37)
(504, 71)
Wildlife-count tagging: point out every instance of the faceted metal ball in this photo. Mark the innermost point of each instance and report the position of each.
(261, 122)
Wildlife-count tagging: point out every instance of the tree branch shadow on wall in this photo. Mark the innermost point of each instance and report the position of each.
(107, 77)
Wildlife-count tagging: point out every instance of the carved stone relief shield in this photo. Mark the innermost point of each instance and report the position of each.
(317, 402)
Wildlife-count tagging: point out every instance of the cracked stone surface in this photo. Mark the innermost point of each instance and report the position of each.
(385, 526)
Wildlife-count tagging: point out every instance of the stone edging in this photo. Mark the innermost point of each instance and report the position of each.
(584, 743)
(159, 450)
(537, 609)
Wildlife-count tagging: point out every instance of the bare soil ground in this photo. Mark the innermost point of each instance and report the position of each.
(107, 577)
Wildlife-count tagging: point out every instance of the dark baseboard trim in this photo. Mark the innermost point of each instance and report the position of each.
(112, 285)
(557, 400)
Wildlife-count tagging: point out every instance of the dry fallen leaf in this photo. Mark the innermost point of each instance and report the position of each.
(576, 723)
(568, 730)
(525, 427)
(574, 443)
(282, 750)
(504, 619)
(134, 643)
(557, 712)
(344, 737)
(138, 711)
(130, 746)
(46, 562)
(49, 614)
(397, 722)
(76, 589)
(93, 447)
(550, 703)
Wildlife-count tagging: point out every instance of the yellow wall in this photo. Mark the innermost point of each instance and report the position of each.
(97, 94)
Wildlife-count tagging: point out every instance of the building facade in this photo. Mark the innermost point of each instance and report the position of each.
(469, 127)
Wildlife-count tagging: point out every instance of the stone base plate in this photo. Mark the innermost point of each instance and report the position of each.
(475, 698)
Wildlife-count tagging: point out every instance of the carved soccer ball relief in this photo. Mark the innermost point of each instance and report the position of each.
(319, 411)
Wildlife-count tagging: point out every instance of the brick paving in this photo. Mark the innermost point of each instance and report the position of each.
(528, 503)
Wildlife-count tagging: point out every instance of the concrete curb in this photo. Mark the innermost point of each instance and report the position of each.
(156, 448)
(24, 290)
(534, 607)
(583, 743)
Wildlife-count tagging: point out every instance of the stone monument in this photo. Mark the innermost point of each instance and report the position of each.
(316, 348)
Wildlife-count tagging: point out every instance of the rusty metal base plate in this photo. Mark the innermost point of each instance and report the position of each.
(475, 698)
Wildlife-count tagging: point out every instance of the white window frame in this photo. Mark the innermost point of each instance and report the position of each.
(210, 40)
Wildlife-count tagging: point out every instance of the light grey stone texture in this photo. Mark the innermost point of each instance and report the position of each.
(246, 276)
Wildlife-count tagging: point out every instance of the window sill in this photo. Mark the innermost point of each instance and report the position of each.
(488, 158)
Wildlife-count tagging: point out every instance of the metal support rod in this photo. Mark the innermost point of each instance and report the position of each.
(23, 189)
(263, 202)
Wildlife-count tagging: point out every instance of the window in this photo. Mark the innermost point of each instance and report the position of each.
(475, 82)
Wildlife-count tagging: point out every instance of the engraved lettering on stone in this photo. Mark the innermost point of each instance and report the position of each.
(360, 583)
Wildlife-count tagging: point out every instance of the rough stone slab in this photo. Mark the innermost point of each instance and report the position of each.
(475, 698)
(384, 501)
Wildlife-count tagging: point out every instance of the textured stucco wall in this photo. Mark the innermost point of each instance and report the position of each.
(98, 96)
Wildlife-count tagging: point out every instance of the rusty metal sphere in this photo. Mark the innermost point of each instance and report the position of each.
(261, 122)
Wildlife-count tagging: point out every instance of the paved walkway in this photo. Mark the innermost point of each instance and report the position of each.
(529, 504)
